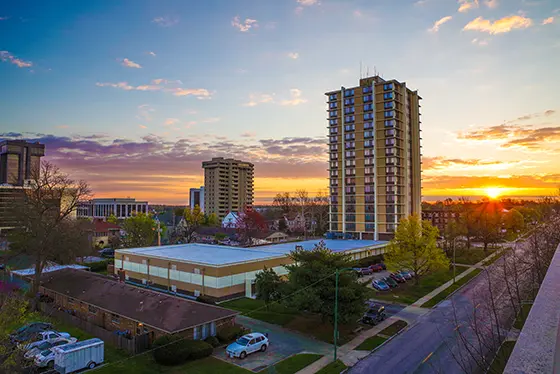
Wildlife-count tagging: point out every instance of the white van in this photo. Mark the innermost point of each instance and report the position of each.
(72, 357)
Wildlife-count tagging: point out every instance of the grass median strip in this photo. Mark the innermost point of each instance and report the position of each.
(294, 363)
(502, 357)
(371, 343)
(445, 293)
(394, 328)
(335, 367)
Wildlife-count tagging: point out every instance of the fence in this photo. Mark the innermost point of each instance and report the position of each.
(133, 345)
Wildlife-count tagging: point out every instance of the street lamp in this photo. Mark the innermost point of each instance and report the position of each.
(337, 273)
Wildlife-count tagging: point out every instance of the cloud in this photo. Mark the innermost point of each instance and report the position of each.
(171, 122)
(211, 120)
(549, 112)
(244, 26)
(162, 85)
(440, 163)
(293, 55)
(466, 5)
(129, 63)
(308, 2)
(248, 134)
(482, 42)
(6, 56)
(500, 26)
(143, 126)
(298, 11)
(3, 18)
(256, 99)
(166, 21)
(438, 23)
(548, 21)
(491, 3)
(152, 53)
(62, 126)
(145, 112)
(296, 98)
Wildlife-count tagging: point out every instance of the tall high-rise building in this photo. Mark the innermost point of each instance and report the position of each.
(374, 157)
(228, 185)
(196, 197)
(18, 161)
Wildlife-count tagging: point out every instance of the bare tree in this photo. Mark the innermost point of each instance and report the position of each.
(46, 227)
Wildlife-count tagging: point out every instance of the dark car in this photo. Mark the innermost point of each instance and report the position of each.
(374, 315)
(383, 266)
(405, 274)
(375, 267)
(398, 277)
(390, 282)
(107, 252)
(366, 271)
(30, 330)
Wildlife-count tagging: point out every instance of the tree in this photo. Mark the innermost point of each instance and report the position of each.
(268, 285)
(467, 219)
(249, 222)
(452, 231)
(13, 312)
(211, 220)
(311, 281)
(284, 202)
(192, 220)
(488, 224)
(319, 214)
(140, 230)
(112, 219)
(514, 221)
(44, 218)
(415, 247)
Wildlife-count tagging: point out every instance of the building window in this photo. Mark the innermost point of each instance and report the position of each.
(390, 132)
(390, 160)
(389, 113)
(334, 156)
(350, 162)
(368, 171)
(349, 145)
(368, 152)
(369, 189)
(368, 107)
(368, 125)
(390, 170)
(350, 136)
(351, 127)
(334, 130)
(388, 95)
(333, 122)
(389, 105)
(369, 161)
(388, 86)
(333, 139)
(369, 180)
(349, 118)
(332, 105)
(350, 153)
(390, 151)
(350, 172)
(333, 113)
(368, 98)
(116, 319)
(390, 142)
(348, 93)
(369, 143)
(349, 110)
(334, 147)
(349, 101)
(390, 123)
(368, 134)
(368, 116)
(332, 97)
(367, 89)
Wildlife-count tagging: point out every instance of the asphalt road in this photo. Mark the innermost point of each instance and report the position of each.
(431, 344)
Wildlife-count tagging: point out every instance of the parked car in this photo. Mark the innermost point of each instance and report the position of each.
(405, 274)
(383, 266)
(398, 277)
(45, 336)
(358, 271)
(107, 252)
(366, 271)
(390, 282)
(31, 353)
(69, 358)
(379, 285)
(247, 344)
(26, 332)
(413, 274)
(374, 315)
(375, 267)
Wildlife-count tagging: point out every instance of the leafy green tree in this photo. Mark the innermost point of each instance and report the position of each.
(452, 231)
(211, 220)
(268, 285)
(112, 219)
(13, 312)
(140, 230)
(415, 247)
(185, 230)
(489, 224)
(514, 221)
(311, 281)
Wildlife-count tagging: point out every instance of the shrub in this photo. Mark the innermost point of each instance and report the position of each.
(213, 341)
(227, 334)
(172, 350)
(205, 299)
(96, 267)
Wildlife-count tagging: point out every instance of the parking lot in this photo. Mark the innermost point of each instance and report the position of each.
(283, 343)
(369, 278)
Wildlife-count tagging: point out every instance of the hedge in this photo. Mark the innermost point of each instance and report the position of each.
(213, 341)
(230, 333)
(172, 350)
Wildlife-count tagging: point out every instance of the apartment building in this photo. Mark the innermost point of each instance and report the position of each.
(103, 208)
(375, 157)
(228, 185)
(196, 197)
(19, 159)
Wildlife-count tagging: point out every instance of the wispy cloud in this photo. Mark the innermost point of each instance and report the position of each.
(548, 21)
(129, 63)
(438, 23)
(143, 126)
(440, 163)
(145, 112)
(166, 21)
(466, 5)
(491, 3)
(500, 26)
(152, 53)
(256, 99)
(171, 121)
(293, 55)
(481, 42)
(4, 18)
(248, 134)
(295, 99)
(6, 56)
(161, 85)
(305, 3)
(244, 26)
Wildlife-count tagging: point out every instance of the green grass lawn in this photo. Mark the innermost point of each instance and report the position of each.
(408, 292)
(370, 343)
(520, 320)
(445, 293)
(294, 363)
(470, 256)
(394, 328)
(501, 359)
(335, 367)
(309, 324)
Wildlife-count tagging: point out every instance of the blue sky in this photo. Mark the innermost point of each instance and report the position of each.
(179, 81)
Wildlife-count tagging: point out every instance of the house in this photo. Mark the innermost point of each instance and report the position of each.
(270, 237)
(103, 231)
(295, 222)
(231, 220)
(117, 306)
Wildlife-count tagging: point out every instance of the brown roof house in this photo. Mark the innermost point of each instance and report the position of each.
(116, 306)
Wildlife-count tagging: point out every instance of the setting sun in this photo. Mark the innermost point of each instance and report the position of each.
(493, 192)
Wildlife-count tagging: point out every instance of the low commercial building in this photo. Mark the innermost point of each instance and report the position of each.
(119, 307)
(103, 208)
(220, 272)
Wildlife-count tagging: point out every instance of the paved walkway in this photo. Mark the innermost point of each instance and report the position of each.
(348, 353)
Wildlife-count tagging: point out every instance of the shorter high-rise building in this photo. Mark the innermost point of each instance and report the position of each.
(228, 186)
(196, 197)
(103, 208)
(18, 160)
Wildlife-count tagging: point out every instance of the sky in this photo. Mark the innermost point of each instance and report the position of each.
(133, 95)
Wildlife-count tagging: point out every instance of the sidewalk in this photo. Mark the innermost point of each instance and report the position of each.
(347, 353)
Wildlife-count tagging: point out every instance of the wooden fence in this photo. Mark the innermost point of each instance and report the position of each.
(133, 345)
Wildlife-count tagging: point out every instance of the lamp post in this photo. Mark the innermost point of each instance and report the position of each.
(337, 273)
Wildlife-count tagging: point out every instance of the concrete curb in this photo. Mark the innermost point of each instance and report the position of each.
(457, 290)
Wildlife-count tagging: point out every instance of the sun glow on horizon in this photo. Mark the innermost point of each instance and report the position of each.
(493, 192)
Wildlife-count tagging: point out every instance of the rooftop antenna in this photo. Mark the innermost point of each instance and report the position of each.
(361, 69)
(367, 71)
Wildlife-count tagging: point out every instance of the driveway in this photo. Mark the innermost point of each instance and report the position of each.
(283, 343)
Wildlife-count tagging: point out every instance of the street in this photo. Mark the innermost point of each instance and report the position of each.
(431, 344)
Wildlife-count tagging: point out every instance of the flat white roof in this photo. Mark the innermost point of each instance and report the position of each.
(220, 255)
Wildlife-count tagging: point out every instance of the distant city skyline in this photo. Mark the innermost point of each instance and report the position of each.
(132, 96)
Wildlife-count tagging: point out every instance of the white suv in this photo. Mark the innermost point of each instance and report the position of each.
(247, 344)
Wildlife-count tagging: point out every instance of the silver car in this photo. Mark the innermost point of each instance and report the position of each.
(247, 344)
